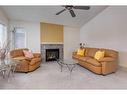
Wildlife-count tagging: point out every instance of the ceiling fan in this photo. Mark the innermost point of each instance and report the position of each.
(70, 9)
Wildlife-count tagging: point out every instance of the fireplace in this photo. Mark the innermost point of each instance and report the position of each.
(45, 47)
(52, 54)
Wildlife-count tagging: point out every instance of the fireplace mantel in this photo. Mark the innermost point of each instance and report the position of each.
(52, 43)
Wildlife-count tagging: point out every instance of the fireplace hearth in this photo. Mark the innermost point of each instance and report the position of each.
(52, 54)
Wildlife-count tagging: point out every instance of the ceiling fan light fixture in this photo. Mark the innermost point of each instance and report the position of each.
(72, 13)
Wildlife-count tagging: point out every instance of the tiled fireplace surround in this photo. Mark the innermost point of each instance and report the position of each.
(51, 46)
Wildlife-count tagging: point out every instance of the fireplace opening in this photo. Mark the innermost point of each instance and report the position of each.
(52, 54)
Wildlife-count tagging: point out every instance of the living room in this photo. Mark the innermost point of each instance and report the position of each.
(98, 27)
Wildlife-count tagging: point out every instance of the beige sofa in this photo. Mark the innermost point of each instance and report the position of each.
(104, 66)
(26, 64)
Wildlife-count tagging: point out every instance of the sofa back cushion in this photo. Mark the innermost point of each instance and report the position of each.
(110, 53)
(17, 52)
(90, 51)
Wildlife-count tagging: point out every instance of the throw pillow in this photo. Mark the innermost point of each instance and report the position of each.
(99, 54)
(28, 54)
(81, 52)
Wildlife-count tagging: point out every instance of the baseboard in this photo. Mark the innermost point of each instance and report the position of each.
(122, 68)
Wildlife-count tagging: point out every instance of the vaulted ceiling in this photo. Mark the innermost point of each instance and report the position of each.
(47, 14)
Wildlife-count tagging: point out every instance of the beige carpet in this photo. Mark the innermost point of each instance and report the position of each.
(48, 76)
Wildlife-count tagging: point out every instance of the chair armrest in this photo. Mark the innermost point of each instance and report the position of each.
(107, 59)
(22, 58)
(37, 55)
(23, 66)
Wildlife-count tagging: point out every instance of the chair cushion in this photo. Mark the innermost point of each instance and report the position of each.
(93, 62)
(20, 58)
(37, 54)
(17, 52)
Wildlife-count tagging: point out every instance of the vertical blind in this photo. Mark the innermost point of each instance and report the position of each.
(19, 38)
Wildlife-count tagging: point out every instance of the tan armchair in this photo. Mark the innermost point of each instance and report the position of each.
(26, 64)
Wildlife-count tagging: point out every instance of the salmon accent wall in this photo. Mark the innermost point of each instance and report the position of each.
(51, 32)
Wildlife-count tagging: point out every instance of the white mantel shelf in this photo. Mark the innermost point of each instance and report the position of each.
(52, 43)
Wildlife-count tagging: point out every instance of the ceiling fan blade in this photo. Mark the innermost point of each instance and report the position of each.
(60, 11)
(72, 13)
(82, 7)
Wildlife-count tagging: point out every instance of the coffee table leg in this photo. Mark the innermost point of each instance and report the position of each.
(61, 67)
(71, 68)
(3, 73)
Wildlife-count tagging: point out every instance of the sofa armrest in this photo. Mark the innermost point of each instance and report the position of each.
(75, 56)
(107, 59)
(109, 67)
(74, 53)
(37, 55)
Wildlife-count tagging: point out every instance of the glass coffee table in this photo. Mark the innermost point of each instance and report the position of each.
(70, 64)
(8, 66)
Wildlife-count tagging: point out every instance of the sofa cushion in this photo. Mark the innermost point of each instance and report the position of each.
(76, 56)
(110, 53)
(91, 51)
(83, 58)
(93, 62)
(106, 59)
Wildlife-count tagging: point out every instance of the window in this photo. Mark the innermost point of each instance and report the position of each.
(19, 38)
(3, 34)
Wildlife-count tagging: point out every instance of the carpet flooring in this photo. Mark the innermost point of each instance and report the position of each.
(48, 76)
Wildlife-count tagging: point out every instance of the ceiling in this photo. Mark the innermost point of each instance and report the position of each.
(47, 14)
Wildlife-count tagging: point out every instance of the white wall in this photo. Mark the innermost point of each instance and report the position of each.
(108, 30)
(71, 37)
(71, 41)
(32, 33)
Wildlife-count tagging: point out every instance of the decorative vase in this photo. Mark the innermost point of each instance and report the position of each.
(82, 45)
